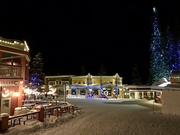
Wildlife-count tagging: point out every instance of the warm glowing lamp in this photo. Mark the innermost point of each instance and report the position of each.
(16, 93)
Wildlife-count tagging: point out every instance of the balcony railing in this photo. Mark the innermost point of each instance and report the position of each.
(10, 71)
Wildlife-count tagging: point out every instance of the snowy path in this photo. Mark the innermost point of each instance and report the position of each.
(109, 117)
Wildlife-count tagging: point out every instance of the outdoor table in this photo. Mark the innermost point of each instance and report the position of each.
(15, 120)
(29, 105)
(47, 105)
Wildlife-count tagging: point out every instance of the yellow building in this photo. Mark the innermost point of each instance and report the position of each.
(88, 86)
(93, 86)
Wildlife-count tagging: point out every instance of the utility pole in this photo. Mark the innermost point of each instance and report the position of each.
(64, 93)
(116, 85)
(101, 91)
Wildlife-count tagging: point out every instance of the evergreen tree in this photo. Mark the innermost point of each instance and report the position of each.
(36, 73)
(171, 50)
(178, 56)
(177, 46)
(102, 70)
(136, 79)
(83, 72)
(158, 65)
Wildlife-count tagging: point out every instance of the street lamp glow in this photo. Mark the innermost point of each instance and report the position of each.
(16, 93)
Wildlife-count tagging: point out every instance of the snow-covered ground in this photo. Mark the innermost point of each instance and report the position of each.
(106, 117)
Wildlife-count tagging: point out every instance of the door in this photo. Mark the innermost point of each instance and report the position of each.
(6, 105)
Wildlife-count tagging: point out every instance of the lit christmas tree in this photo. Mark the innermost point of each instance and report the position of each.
(36, 73)
(177, 64)
(171, 53)
(158, 64)
(177, 49)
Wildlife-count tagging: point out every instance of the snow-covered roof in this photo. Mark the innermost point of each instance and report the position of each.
(15, 44)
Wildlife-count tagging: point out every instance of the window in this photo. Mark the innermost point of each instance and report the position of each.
(65, 82)
(73, 92)
(58, 82)
(51, 82)
(82, 92)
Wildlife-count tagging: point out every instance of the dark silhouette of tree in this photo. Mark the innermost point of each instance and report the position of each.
(102, 70)
(136, 79)
(83, 71)
(36, 76)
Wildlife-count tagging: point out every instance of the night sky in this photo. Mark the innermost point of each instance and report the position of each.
(86, 33)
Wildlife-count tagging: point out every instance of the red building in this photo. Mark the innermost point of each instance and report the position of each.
(14, 73)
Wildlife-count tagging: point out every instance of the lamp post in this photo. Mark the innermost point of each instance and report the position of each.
(24, 96)
(64, 93)
(153, 105)
(88, 86)
(116, 86)
(101, 91)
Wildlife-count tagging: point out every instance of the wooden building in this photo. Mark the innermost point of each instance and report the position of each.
(85, 86)
(14, 73)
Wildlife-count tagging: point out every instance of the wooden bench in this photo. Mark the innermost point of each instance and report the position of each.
(49, 112)
(21, 119)
(17, 121)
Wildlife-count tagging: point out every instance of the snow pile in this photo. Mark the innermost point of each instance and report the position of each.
(162, 82)
(35, 125)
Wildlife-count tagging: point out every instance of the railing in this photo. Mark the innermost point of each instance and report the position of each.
(39, 114)
(16, 120)
(9, 71)
(58, 110)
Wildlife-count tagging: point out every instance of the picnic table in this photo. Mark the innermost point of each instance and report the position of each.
(29, 105)
(17, 119)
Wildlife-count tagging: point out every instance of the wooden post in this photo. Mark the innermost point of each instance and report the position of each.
(40, 115)
(65, 93)
(56, 112)
(4, 122)
(73, 109)
(69, 108)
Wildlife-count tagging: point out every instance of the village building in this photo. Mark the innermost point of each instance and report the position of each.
(14, 73)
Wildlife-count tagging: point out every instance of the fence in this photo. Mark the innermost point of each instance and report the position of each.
(40, 113)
